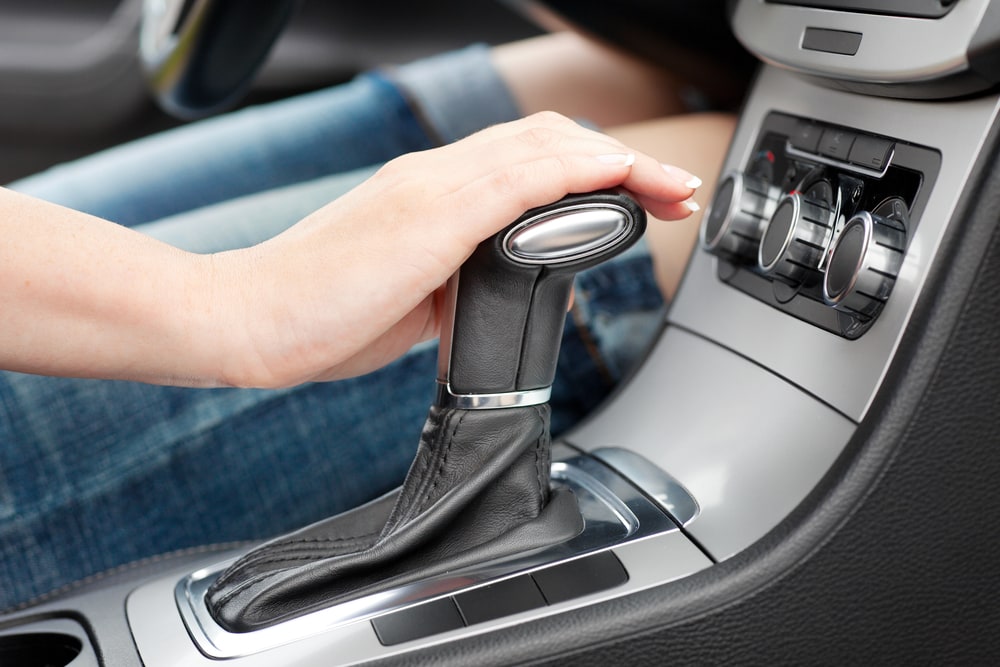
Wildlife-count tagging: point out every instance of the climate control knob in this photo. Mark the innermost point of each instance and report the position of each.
(736, 218)
(797, 236)
(864, 263)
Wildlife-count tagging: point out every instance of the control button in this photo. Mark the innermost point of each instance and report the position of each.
(500, 599)
(864, 263)
(842, 42)
(871, 152)
(580, 577)
(806, 136)
(796, 238)
(420, 621)
(836, 143)
(736, 218)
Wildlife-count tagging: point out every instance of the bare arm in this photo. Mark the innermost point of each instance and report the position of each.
(81, 296)
(341, 293)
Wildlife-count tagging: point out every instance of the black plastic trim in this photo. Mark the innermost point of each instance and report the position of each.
(842, 42)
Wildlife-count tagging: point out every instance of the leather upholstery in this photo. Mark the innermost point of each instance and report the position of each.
(478, 489)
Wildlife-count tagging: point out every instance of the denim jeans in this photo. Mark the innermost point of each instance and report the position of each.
(94, 474)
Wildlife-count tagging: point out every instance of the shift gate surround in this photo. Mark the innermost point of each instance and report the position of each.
(617, 513)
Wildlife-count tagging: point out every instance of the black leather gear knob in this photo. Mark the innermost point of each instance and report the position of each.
(507, 304)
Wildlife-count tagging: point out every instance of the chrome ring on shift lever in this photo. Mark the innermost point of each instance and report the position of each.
(511, 399)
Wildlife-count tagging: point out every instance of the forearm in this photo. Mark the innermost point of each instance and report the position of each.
(83, 297)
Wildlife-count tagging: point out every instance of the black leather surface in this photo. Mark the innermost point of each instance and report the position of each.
(891, 560)
(478, 489)
(509, 315)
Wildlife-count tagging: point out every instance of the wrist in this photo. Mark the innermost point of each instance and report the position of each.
(230, 317)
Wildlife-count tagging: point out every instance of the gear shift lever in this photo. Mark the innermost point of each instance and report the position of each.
(478, 488)
(500, 340)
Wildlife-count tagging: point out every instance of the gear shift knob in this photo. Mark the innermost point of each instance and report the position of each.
(477, 490)
(506, 306)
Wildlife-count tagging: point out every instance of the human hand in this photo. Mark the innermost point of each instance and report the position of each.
(356, 284)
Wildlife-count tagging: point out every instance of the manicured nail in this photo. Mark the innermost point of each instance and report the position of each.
(692, 205)
(687, 179)
(621, 159)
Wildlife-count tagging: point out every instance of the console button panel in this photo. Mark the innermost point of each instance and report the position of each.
(816, 224)
(551, 585)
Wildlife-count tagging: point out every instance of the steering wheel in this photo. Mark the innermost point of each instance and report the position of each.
(200, 56)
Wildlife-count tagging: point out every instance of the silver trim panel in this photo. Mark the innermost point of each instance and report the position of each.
(748, 445)
(615, 513)
(662, 488)
(894, 49)
(843, 373)
(163, 641)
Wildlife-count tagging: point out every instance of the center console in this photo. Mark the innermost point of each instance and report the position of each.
(852, 155)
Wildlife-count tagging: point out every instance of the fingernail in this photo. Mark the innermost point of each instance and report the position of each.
(684, 177)
(692, 205)
(621, 159)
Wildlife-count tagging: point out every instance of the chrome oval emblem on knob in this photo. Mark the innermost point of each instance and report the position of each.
(567, 234)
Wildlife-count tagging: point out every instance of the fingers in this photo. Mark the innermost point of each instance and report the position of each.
(516, 171)
(439, 204)
(545, 155)
(669, 210)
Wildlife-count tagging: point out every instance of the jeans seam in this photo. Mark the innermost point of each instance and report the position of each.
(419, 115)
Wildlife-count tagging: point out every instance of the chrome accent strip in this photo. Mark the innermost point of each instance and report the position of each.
(446, 398)
(662, 487)
(615, 513)
(845, 166)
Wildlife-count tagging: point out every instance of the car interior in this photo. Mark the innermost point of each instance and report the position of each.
(801, 470)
